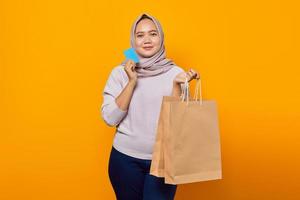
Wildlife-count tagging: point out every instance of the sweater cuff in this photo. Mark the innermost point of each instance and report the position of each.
(118, 113)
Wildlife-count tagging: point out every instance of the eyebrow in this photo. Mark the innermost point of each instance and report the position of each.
(143, 32)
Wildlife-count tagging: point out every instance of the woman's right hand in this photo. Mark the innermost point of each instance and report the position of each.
(190, 75)
(130, 70)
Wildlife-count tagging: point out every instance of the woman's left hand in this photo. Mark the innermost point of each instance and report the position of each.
(190, 75)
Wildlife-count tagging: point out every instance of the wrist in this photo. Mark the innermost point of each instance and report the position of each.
(175, 83)
(132, 82)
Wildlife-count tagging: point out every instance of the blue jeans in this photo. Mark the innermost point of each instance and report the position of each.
(131, 180)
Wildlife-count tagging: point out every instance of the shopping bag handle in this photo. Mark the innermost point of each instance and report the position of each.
(185, 91)
(198, 90)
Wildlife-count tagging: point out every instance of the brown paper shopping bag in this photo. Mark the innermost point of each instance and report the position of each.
(157, 163)
(189, 147)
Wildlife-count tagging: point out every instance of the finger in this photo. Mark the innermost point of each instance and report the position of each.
(190, 74)
(128, 66)
(132, 67)
(187, 75)
(193, 71)
(196, 74)
(132, 62)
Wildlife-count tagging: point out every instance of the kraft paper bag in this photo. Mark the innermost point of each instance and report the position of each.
(187, 147)
(157, 163)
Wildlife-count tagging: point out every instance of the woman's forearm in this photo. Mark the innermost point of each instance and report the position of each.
(176, 89)
(123, 100)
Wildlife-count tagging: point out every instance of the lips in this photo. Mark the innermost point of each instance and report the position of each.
(147, 48)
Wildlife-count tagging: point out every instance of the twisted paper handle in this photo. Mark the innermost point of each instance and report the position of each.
(185, 91)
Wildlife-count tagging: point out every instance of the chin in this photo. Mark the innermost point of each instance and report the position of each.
(148, 54)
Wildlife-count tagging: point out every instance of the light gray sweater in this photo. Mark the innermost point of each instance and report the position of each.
(136, 127)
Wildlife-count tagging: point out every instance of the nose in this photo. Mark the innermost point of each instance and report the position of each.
(147, 39)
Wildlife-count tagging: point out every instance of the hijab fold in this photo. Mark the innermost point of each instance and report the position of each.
(156, 64)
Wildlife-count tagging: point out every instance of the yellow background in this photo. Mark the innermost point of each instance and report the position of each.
(55, 57)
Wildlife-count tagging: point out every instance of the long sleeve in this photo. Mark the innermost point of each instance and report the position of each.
(111, 113)
(135, 134)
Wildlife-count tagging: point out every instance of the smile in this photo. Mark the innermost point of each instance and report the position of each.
(147, 48)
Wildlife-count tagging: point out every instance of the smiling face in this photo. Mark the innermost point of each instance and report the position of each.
(147, 40)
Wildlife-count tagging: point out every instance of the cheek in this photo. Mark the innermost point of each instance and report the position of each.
(156, 41)
(138, 43)
(138, 47)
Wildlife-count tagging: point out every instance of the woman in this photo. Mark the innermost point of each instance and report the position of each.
(132, 99)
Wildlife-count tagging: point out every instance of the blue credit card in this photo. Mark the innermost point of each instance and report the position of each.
(131, 54)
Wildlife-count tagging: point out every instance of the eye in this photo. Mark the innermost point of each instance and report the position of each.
(139, 36)
(153, 34)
